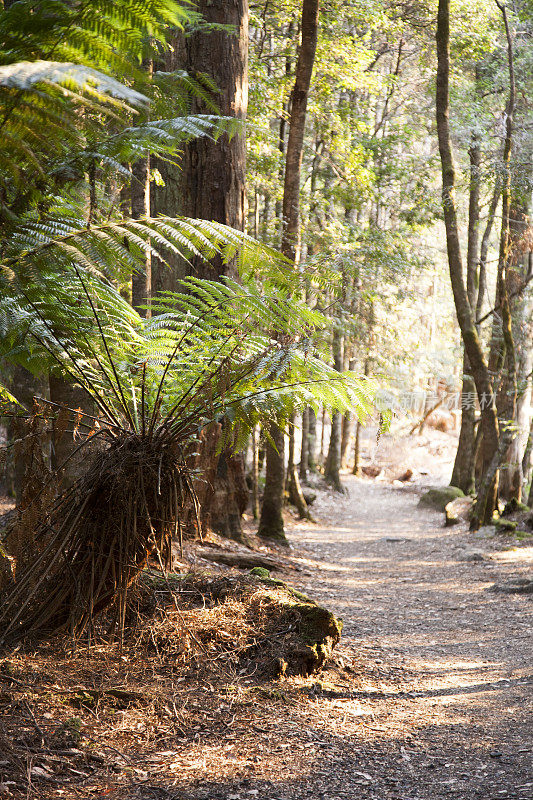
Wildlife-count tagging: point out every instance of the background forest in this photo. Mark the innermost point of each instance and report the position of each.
(223, 239)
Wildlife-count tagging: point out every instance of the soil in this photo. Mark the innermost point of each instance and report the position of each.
(429, 696)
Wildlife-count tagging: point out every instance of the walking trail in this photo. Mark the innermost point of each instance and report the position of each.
(431, 695)
(449, 695)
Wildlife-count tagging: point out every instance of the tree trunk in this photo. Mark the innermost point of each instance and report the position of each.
(311, 451)
(322, 436)
(333, 460)
(290, 239)
(255, 472)
(304, 454)
(141, 282)
(346, 434)
(357, 450)
(508, 390)
(210, 184)
(463, 475)
(271, 522)
(63, 457)
(512, 477)
(24, 386)
(290, 245)
(294, 489)
(484, 510)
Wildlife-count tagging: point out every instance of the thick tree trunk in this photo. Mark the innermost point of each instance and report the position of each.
(322, 436)
(64, 443)
(214, 173)
(356, 470)
(271, 522)
(484, 509)
(25, 387)
(210, 184)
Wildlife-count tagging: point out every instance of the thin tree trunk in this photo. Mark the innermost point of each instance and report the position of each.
(304, 453)
(484, 509)
(255, 472)
(512, 477)
(508, 391)
(294, 489)
(346, 433)
(311, 451)
(290, 245)
(484, 249)
(357, 450)
(271, 522)
(290, 240)
(141, 282)
(333, 461)
(322, 436)
(463, 475)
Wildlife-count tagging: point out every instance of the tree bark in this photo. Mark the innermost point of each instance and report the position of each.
(484, 510)
(356, 470)
(333, 460)
(210, 184)
(141, 282)
(70, 465)
(290, 239)
(25, 387)
(214, 172)
(311, 451)
(271, 522)
(255, 472)
(504, 354)
(290, 245)
(463, 475)
(512, 477)
(294, 489)
(304, 454)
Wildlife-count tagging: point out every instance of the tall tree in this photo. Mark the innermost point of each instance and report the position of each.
(210, 184)
(465, 317)
(271, 521)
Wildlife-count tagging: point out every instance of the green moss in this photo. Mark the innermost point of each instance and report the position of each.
(158, 581)
(439, 497)
(505, 526)
(260, 572)
(514, 506)
(265, 577)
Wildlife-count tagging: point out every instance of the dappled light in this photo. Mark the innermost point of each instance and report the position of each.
(266, 400)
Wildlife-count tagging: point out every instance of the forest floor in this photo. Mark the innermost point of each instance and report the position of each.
(429, 696)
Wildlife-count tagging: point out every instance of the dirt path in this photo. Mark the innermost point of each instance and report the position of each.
(431, 695)
(444, 666)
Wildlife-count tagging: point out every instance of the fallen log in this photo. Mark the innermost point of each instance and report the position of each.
(239, 560)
